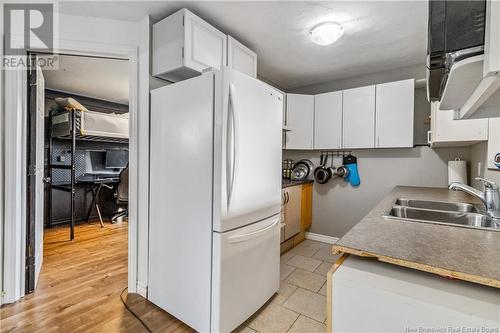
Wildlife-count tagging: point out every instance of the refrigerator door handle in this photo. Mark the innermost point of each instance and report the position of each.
(231, 145)
(253, 234)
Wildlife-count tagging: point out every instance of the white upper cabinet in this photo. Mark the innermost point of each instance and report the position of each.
(328, 120)
(241, 58)
(184, 46)
(358, 118)
(299, 119)
(446, 131)
(394, 110)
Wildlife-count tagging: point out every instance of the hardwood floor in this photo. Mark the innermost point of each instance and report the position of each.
(80, 285)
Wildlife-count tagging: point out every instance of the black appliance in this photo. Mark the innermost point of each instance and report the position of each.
(455, 32)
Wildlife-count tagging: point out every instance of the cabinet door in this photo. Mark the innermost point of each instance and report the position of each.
(328, 120)
(446, 131)
(300, 114)
(293, 211)
(358, 117)
(394, 114)
(241, 58)
(204, 46)
(306, 206)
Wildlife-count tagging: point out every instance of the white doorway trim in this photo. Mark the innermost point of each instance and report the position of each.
(15, 164)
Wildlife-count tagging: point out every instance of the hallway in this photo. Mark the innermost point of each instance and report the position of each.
(80, 285)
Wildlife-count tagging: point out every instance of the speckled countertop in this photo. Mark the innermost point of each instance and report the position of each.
(463, 253)
(287, 182)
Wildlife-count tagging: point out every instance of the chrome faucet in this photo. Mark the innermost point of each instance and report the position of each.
(490, 197)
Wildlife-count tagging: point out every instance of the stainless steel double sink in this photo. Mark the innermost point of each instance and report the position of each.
(449, 213)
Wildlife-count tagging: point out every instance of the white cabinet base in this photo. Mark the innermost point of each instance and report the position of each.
(371, 296)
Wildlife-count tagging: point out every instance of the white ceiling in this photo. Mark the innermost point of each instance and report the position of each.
(101, 78)
(379, 35)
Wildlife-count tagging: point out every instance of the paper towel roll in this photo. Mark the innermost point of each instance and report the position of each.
(457, 171)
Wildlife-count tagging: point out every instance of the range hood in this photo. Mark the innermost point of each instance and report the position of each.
(455, 33)
(460, 80)
(463, 60)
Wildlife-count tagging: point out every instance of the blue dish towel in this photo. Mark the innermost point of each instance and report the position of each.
(351, 163)
(353, 176)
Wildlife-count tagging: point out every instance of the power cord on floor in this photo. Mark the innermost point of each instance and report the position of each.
(133, 313)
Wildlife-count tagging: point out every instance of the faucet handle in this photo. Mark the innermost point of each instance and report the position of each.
(488, 184)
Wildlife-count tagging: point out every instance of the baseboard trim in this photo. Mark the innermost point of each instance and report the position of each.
(321, 238)
(142, 289)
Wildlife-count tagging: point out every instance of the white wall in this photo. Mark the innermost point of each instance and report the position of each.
(103, 34)
(2, 159)
(135, 34)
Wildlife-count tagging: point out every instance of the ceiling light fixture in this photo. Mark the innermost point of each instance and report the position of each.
(326, 33)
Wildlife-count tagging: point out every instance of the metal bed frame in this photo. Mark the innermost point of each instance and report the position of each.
(74, 136)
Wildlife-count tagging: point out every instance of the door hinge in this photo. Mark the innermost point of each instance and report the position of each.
(2, 293)
(182, 52)
(183, 17)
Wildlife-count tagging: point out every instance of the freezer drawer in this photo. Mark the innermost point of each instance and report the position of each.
(245, 272)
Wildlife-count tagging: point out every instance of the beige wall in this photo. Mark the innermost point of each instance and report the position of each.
(337, 206)
(478, 166)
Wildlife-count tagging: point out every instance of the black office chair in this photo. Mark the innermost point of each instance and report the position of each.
(122, 196)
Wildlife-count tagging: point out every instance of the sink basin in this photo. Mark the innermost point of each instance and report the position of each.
(437, 205)
(472, 220)
(449, 213)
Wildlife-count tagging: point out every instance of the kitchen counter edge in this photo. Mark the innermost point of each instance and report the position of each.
(288, 183)
(455, 252)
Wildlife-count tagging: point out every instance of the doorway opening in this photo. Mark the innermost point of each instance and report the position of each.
(77, 181)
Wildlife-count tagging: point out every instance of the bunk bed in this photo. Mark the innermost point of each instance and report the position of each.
(80, 124)
(91, 126)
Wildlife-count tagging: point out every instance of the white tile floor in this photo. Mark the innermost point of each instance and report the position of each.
(300, 304)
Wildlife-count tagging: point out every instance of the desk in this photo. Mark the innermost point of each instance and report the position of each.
(96, 186)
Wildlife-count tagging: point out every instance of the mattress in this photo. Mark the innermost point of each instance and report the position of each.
(91, 125)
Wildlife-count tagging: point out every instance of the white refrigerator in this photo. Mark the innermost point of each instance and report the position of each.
(215, 198)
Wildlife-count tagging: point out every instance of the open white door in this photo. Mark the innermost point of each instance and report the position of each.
(35, 204)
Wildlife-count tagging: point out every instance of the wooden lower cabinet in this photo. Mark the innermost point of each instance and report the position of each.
(296, 214)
